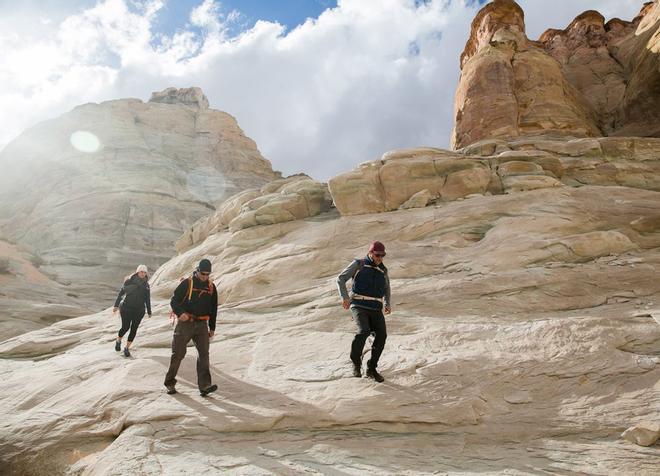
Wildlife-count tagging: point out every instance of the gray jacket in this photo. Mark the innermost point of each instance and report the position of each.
(350, 271)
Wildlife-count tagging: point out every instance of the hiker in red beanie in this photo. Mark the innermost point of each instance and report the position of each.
(369, 297)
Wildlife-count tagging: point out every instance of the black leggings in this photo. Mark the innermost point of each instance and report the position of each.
(130, 318)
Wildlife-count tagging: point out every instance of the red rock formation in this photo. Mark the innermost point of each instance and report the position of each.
(509, 86)
(600, 58)
(590, 79)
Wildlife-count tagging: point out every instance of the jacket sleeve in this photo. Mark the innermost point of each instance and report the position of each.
(387, 291)
(178, 298)
(213, 312)
(122, 291)
(147, 298)
(345, 275)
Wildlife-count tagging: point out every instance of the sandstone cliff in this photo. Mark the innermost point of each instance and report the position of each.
(590, 79)
(108, 186)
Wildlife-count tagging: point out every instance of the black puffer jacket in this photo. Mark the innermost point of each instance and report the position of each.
(136, 294)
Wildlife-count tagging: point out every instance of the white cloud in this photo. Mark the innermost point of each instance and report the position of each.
(363, 78)
(206, 16)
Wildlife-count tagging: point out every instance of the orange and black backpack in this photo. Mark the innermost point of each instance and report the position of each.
(188, 295)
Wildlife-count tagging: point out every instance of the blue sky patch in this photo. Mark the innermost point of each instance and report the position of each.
(175, 15)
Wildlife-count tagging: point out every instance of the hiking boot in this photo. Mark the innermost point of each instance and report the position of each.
(171, 390)
(210, 389)
(127, 353)
(117, 345)
(373, 373)
(357, 369)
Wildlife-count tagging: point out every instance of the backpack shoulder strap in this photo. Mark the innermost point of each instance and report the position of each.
(360, 266)
(190, 288)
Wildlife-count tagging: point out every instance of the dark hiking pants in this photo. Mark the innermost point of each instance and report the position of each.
(130, 319)
(198, 331)
(368, 321)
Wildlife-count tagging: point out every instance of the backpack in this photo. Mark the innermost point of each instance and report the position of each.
(188, 295)
(362, 264)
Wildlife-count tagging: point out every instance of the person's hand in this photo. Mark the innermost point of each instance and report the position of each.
(184, 317)
(388, 310)
(114, 310)
(211, 333)
(149, 315)
(346, 303)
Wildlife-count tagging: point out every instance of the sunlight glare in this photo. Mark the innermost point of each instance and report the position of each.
(85, 141)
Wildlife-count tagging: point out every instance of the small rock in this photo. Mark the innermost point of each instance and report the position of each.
(646, 362)
(518, 397)
(643, 434)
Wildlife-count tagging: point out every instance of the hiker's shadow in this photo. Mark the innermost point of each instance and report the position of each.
(238, 405)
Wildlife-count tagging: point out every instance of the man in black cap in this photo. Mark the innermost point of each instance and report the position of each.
(195, 303)
(369, 298)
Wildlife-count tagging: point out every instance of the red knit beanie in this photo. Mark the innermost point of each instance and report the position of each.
(377, 248)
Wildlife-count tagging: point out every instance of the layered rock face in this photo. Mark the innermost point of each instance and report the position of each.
(591, 79)
(111, 185)
(417, 177)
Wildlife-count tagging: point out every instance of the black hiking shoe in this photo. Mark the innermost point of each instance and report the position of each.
(127, 353)
(373, 373)
(357, 369)
(211, 389)
(117, 345)
(171, 390)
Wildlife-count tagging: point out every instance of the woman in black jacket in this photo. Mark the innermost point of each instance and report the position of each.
(137, 296)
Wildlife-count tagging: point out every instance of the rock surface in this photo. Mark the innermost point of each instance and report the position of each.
(521, 341)
(590, 79)
(496, 166)
(31, 299)
(108, 186)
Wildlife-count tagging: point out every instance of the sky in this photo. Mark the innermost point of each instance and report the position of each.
(320, 85)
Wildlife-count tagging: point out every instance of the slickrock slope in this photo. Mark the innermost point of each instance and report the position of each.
(524, 337)
(591, 79)
(108, 186)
